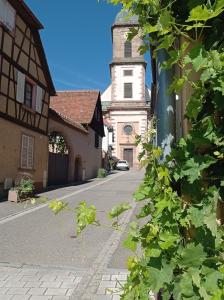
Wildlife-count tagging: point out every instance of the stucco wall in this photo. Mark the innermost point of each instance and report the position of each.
(80, 145)
(137, 80)
(139, 121)
(10, 153)
(119, 38)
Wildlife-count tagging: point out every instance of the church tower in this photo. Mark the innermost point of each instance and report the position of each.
(126, 101)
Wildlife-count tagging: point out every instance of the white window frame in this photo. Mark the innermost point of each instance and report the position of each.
(27, 152)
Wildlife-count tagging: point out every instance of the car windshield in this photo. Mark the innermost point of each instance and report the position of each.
(122, 162)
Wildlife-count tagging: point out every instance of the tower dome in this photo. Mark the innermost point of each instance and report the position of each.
(124, 18)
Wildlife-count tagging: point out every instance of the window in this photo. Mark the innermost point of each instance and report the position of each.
(7, 15)
(27, 150)
(97, 140)
(128, 72)
(128, 129)
(127, 90)
(127, 49)
(28, 94)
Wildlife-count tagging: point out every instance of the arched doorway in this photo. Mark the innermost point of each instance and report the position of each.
(58, 159)
(78, 169)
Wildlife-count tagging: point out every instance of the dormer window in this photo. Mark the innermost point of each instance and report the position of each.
(7, 15)
(128, 49)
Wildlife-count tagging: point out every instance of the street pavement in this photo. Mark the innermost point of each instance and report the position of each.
(41, 258)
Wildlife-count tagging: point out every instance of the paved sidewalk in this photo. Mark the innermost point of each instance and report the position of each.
(38, 283)
(43, 283)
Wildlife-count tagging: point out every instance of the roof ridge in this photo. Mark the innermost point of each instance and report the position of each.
(79, 91)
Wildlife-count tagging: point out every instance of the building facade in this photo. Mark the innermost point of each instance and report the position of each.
(126, 100)
(77, 117)
(25, 89)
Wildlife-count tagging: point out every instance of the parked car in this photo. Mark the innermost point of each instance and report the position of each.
(122, 165)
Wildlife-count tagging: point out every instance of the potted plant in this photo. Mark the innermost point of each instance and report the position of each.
(13, 195)
(23, 190)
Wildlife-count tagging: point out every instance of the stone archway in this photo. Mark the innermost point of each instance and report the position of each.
(58, 164)
(78, 169)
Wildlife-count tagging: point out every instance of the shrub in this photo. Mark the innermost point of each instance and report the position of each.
(25, 188)
(101, 173)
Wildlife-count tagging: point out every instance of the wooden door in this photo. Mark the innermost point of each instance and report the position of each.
(128, 155)
(57, 169)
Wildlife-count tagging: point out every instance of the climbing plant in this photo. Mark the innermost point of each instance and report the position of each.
(180, 234)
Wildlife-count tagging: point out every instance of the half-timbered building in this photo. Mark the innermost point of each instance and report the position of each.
(25, 89)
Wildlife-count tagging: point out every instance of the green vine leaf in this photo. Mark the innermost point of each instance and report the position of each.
(129, 243)
(119, 209)
(57, 206)
(192, 256)
(85, 216)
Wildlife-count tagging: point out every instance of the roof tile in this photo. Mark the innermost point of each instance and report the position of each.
(79, 106)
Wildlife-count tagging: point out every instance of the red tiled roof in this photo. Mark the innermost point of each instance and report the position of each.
(79, 106)
(67, 120)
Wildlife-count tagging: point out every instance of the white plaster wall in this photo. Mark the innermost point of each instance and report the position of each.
(105, 140)
(106, 95)
(137, 80)
(82, 145)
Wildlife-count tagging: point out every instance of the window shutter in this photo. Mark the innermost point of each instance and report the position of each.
(20, 87)
(10, 17)
(7, 14)
(39, 96)
(2, 11)
(27, 152)
(30, 154)
(24, 150)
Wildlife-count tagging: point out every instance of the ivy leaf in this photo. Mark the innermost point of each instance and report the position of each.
(192, 256)
(212, 281)
(196, 216)
(129, 243)
(158, 277)
(164, 22)
(193, 167)
(57, 206)
(166, 42)
(167, 240)
(153, 252)
(85, 216)
(202, 13)
(198, 57)
(119, 209)
(148, 28)
(210, 222)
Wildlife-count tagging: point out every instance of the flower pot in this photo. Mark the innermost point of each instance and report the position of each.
(13, 196)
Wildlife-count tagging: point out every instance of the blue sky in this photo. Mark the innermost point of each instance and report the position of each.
(77, 41)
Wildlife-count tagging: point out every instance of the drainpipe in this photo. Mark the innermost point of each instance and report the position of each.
(165, 106)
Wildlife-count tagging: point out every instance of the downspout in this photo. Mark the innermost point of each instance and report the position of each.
(165, 106)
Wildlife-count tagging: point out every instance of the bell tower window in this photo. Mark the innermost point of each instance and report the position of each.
(128, 49)
(127, 90)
